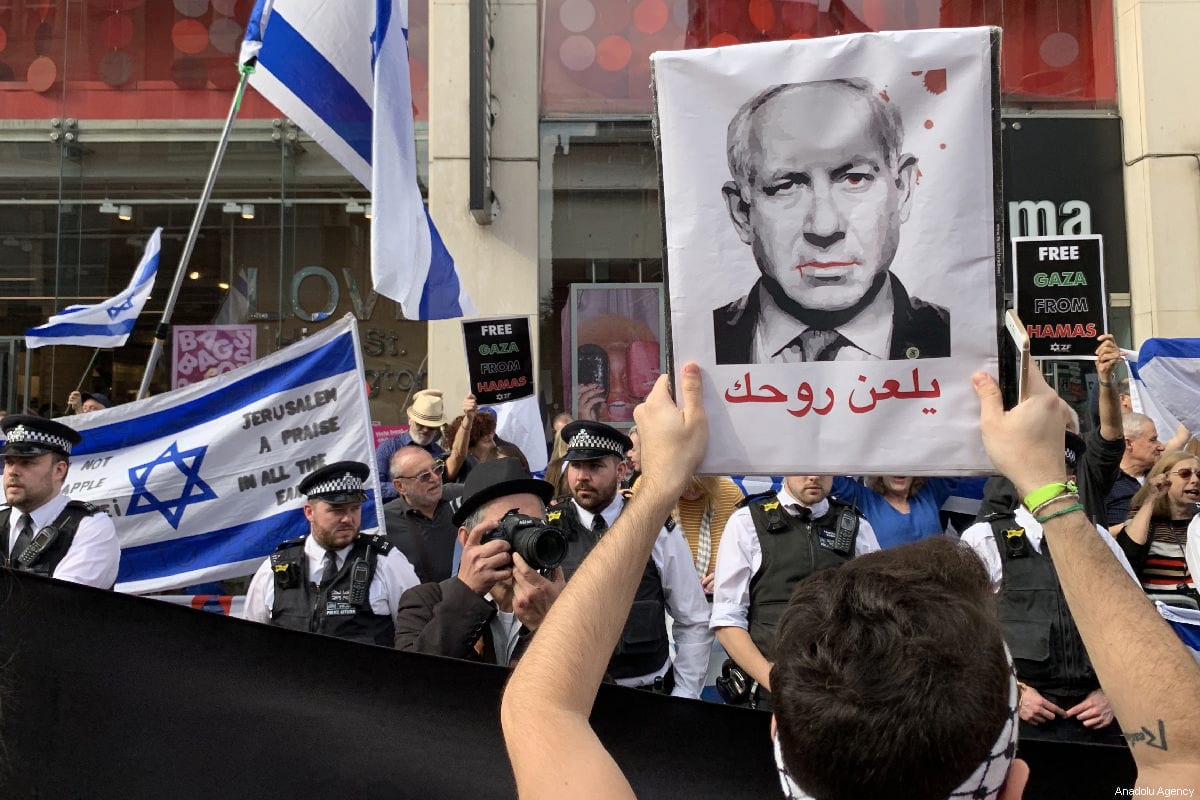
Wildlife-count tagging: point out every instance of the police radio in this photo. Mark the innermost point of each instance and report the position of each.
(358, 582)
(33, 551)
(841, 539)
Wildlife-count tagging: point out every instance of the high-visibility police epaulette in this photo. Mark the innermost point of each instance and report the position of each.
(750, 498)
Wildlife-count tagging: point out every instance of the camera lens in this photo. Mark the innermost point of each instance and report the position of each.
(548, 548)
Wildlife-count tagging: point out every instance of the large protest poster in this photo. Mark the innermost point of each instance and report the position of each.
(1058, 292)
(499, 358)
(830, 210)
(201, 482)
(205, 351)
(613, 350)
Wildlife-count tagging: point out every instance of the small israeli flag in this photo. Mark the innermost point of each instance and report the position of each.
(106, 324)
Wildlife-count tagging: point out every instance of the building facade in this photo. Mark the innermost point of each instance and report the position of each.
(117, 103)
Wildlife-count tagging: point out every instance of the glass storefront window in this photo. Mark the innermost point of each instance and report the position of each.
(601, 225)
(596, 52)
(115, 105)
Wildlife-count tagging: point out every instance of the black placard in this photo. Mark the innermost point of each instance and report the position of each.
(1060, 296)
(499, 358)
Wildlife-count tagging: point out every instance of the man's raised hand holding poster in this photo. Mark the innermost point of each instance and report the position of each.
(832, 263)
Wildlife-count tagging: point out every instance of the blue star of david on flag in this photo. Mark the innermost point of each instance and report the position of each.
(195, 490)
(115, 311)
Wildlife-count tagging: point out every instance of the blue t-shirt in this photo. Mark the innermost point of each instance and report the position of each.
(891, 527)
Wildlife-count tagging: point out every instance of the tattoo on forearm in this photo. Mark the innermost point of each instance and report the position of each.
(1151, 738)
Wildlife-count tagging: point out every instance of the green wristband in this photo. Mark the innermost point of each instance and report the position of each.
(1069, 509)
(1048, 492)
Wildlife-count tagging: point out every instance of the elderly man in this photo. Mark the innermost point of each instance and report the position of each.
(1142, 449)
(770, 544)
(334, 580)
(426, 416)
(496, 601)
(595, 467)
(822, 213)
(87, 402)
(42, 530)
(420, 523)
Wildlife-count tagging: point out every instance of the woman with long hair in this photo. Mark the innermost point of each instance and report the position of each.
(1155, 538)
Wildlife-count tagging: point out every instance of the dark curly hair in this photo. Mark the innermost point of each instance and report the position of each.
(890, 677)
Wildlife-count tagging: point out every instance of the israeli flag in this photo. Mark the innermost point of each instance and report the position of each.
(340, 72)
(201, 482)
(1168, 370)
(106, 324)
(1186, 624)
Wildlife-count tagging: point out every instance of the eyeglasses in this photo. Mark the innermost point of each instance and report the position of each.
(1184, 474)
(426, 476)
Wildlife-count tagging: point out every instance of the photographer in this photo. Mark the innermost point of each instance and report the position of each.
(488, 610)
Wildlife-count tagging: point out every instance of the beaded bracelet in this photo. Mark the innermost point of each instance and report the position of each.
(1070, 496)
(1067, 510)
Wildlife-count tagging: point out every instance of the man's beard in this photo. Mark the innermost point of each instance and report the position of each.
(599, 501)
(423, 437)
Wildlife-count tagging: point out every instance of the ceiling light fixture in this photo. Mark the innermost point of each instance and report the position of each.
(125, 213)
(248, 211)
(354, 207)
(367, 212)
(108, 208)
(232, 208)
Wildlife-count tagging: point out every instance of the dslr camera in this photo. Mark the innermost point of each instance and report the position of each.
(542, 546)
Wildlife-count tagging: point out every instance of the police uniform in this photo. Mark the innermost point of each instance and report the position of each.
(1046, 646)
(293, 588)
(64, 539)
(767, 548)
(668, 585)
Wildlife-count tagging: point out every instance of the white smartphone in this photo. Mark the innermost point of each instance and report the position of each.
(1020, 337)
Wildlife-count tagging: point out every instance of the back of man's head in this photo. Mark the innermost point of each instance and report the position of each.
(891, 678)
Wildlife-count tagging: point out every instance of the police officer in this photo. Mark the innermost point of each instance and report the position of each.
(1059, 691)
(596, 465)
(42, 530)
(335, 581)
(771, 543)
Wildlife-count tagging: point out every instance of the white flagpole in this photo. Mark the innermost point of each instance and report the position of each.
(163, 329)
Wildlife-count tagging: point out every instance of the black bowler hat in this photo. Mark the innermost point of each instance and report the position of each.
(340, 482)
(26, 435)
(497, 478)
(587, 440)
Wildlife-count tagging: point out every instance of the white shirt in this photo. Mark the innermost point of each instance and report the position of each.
(739, 556)
(980, 539)
(505, 627)
(685, 603)
(393, 576)
(869, 332)
(94, 554)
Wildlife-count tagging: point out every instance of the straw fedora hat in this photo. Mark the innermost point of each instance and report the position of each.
(426, 409)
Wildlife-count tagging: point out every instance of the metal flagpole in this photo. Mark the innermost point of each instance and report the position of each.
(87, 370)
(163, 329)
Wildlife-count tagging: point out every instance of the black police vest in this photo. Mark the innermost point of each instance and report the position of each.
(67, 523)
(1045, 644)
(791, 551)
(644, 646)
(340, 608)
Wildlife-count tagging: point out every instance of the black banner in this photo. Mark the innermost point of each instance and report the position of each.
(105, 695)
(1059, 294)
(499, 359)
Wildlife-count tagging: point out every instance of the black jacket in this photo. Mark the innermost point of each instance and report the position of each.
(919, 329)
